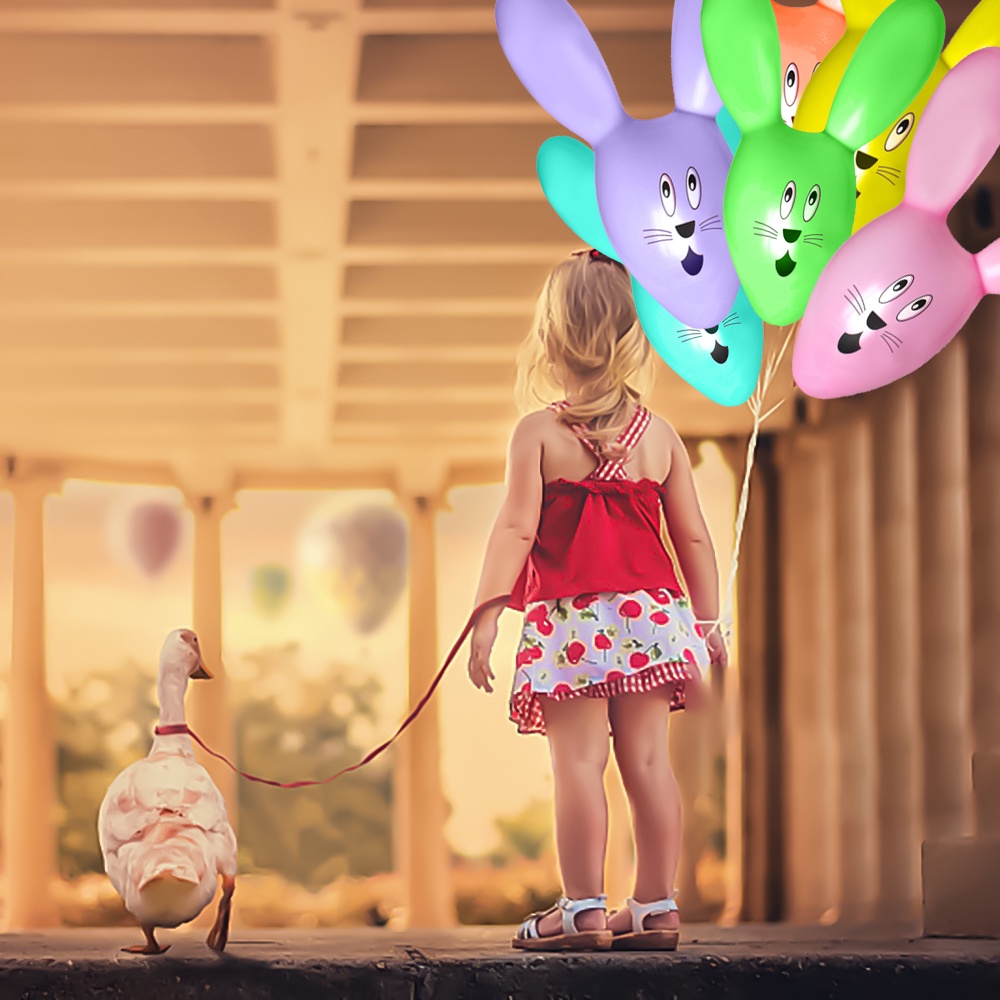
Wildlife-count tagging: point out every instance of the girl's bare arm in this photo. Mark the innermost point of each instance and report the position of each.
(517, 523)
(690, 536)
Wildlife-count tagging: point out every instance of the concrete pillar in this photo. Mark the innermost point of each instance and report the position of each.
(424, 854)
(757, 584)
(208, 709)
(29, 780)
(619, 865)
(984, 441)
(855, 663)
(811, 779)
(897, 644)
(945, 593)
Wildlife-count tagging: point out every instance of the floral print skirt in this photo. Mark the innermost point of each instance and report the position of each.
(603, 645)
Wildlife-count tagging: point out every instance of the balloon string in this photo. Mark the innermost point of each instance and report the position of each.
(756, 405)
(181, 728)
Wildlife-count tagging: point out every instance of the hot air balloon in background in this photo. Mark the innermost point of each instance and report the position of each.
(270, 588)
(357, 561)
(153, 530)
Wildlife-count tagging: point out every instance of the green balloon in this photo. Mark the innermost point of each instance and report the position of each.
(270, 586)
(790, 196)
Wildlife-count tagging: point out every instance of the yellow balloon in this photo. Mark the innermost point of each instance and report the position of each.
(881, 165)
(814, 108)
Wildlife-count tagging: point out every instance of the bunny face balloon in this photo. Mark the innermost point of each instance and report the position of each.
(659, 182)
(901, 288)
(721, 361)
(881, 164)
(807, 34)
(790, 195)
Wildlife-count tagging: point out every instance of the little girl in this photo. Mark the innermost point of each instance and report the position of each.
(610, 641)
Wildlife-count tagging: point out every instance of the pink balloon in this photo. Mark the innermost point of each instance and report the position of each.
(900, 289)
(153, 532)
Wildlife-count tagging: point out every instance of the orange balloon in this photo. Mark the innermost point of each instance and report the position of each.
(807, 34)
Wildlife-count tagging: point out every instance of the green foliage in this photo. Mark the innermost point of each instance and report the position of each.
(310, 836)
(526, 835)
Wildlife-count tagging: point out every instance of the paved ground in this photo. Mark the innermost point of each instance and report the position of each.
(747, 963)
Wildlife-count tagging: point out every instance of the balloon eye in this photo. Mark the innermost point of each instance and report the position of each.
(787, 200)
(915, 308)
(791, 84)
(811, 206)
(896, 288)
(899, 132)
(693, 187)
(668, 197)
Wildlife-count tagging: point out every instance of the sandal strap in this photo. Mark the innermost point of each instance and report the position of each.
(640, 911)
(571, 907)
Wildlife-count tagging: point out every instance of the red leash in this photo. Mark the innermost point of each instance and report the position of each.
(182, 728)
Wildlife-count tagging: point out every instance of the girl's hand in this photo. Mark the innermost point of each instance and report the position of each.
(484, 635)
(718, 655)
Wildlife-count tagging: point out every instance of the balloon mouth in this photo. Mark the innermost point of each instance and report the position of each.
(720, 354)
(785, 265)
(849, 343)
(692, 262)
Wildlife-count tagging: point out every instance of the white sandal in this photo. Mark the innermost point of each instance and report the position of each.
(571, 939)
(639, 939)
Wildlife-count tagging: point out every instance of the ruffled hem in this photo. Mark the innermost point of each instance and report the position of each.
(526, 704)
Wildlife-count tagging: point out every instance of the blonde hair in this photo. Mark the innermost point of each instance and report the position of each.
(586, 334)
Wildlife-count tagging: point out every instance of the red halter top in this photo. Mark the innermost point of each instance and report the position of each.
(598, 534)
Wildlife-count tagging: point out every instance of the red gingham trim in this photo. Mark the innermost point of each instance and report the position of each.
(629, 438)
(526, 705)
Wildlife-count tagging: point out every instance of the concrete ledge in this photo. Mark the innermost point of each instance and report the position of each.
(751, 963)
(962, 887)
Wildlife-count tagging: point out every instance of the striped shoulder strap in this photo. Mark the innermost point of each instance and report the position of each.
(629, 438)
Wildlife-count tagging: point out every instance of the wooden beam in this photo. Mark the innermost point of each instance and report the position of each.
(167, 189)
(461, 253)
(316, 16)
(241, 308)
(316, 69)
(145, 256)
(141, 113)
(525, 112)
(445, 189)
(473, 308)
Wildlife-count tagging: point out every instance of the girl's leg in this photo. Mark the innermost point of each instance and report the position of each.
(578, 742)
(639, 723)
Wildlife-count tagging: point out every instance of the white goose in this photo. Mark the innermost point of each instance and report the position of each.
(163, 827)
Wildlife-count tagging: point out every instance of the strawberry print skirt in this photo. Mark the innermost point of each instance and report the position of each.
(603, 645)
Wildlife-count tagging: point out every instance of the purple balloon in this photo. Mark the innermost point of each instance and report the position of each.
(153, 532)
(660, 181)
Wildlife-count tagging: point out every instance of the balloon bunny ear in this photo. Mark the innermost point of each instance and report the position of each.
(557, 60)
(957, 136)
(745, 65)
(878, 84)
(979, 30)
(693, 87)
(566, 170)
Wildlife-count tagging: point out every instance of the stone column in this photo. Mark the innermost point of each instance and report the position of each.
(945, 593)
(811, 781)
(897, 644)
(29, 780)
(854, 681)
(208, 710)
(424, 854)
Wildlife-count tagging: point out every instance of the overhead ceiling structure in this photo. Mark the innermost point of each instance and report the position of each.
(299, 237)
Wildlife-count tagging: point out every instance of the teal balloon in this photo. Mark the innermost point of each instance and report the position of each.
(730, 130)
(721, 362)
(270, 586)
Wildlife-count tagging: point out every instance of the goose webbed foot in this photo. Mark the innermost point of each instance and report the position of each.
(151, 947)
(218, 936)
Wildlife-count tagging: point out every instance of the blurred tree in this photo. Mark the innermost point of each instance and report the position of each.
(526, 835)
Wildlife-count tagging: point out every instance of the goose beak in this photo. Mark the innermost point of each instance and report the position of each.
(202, 673)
